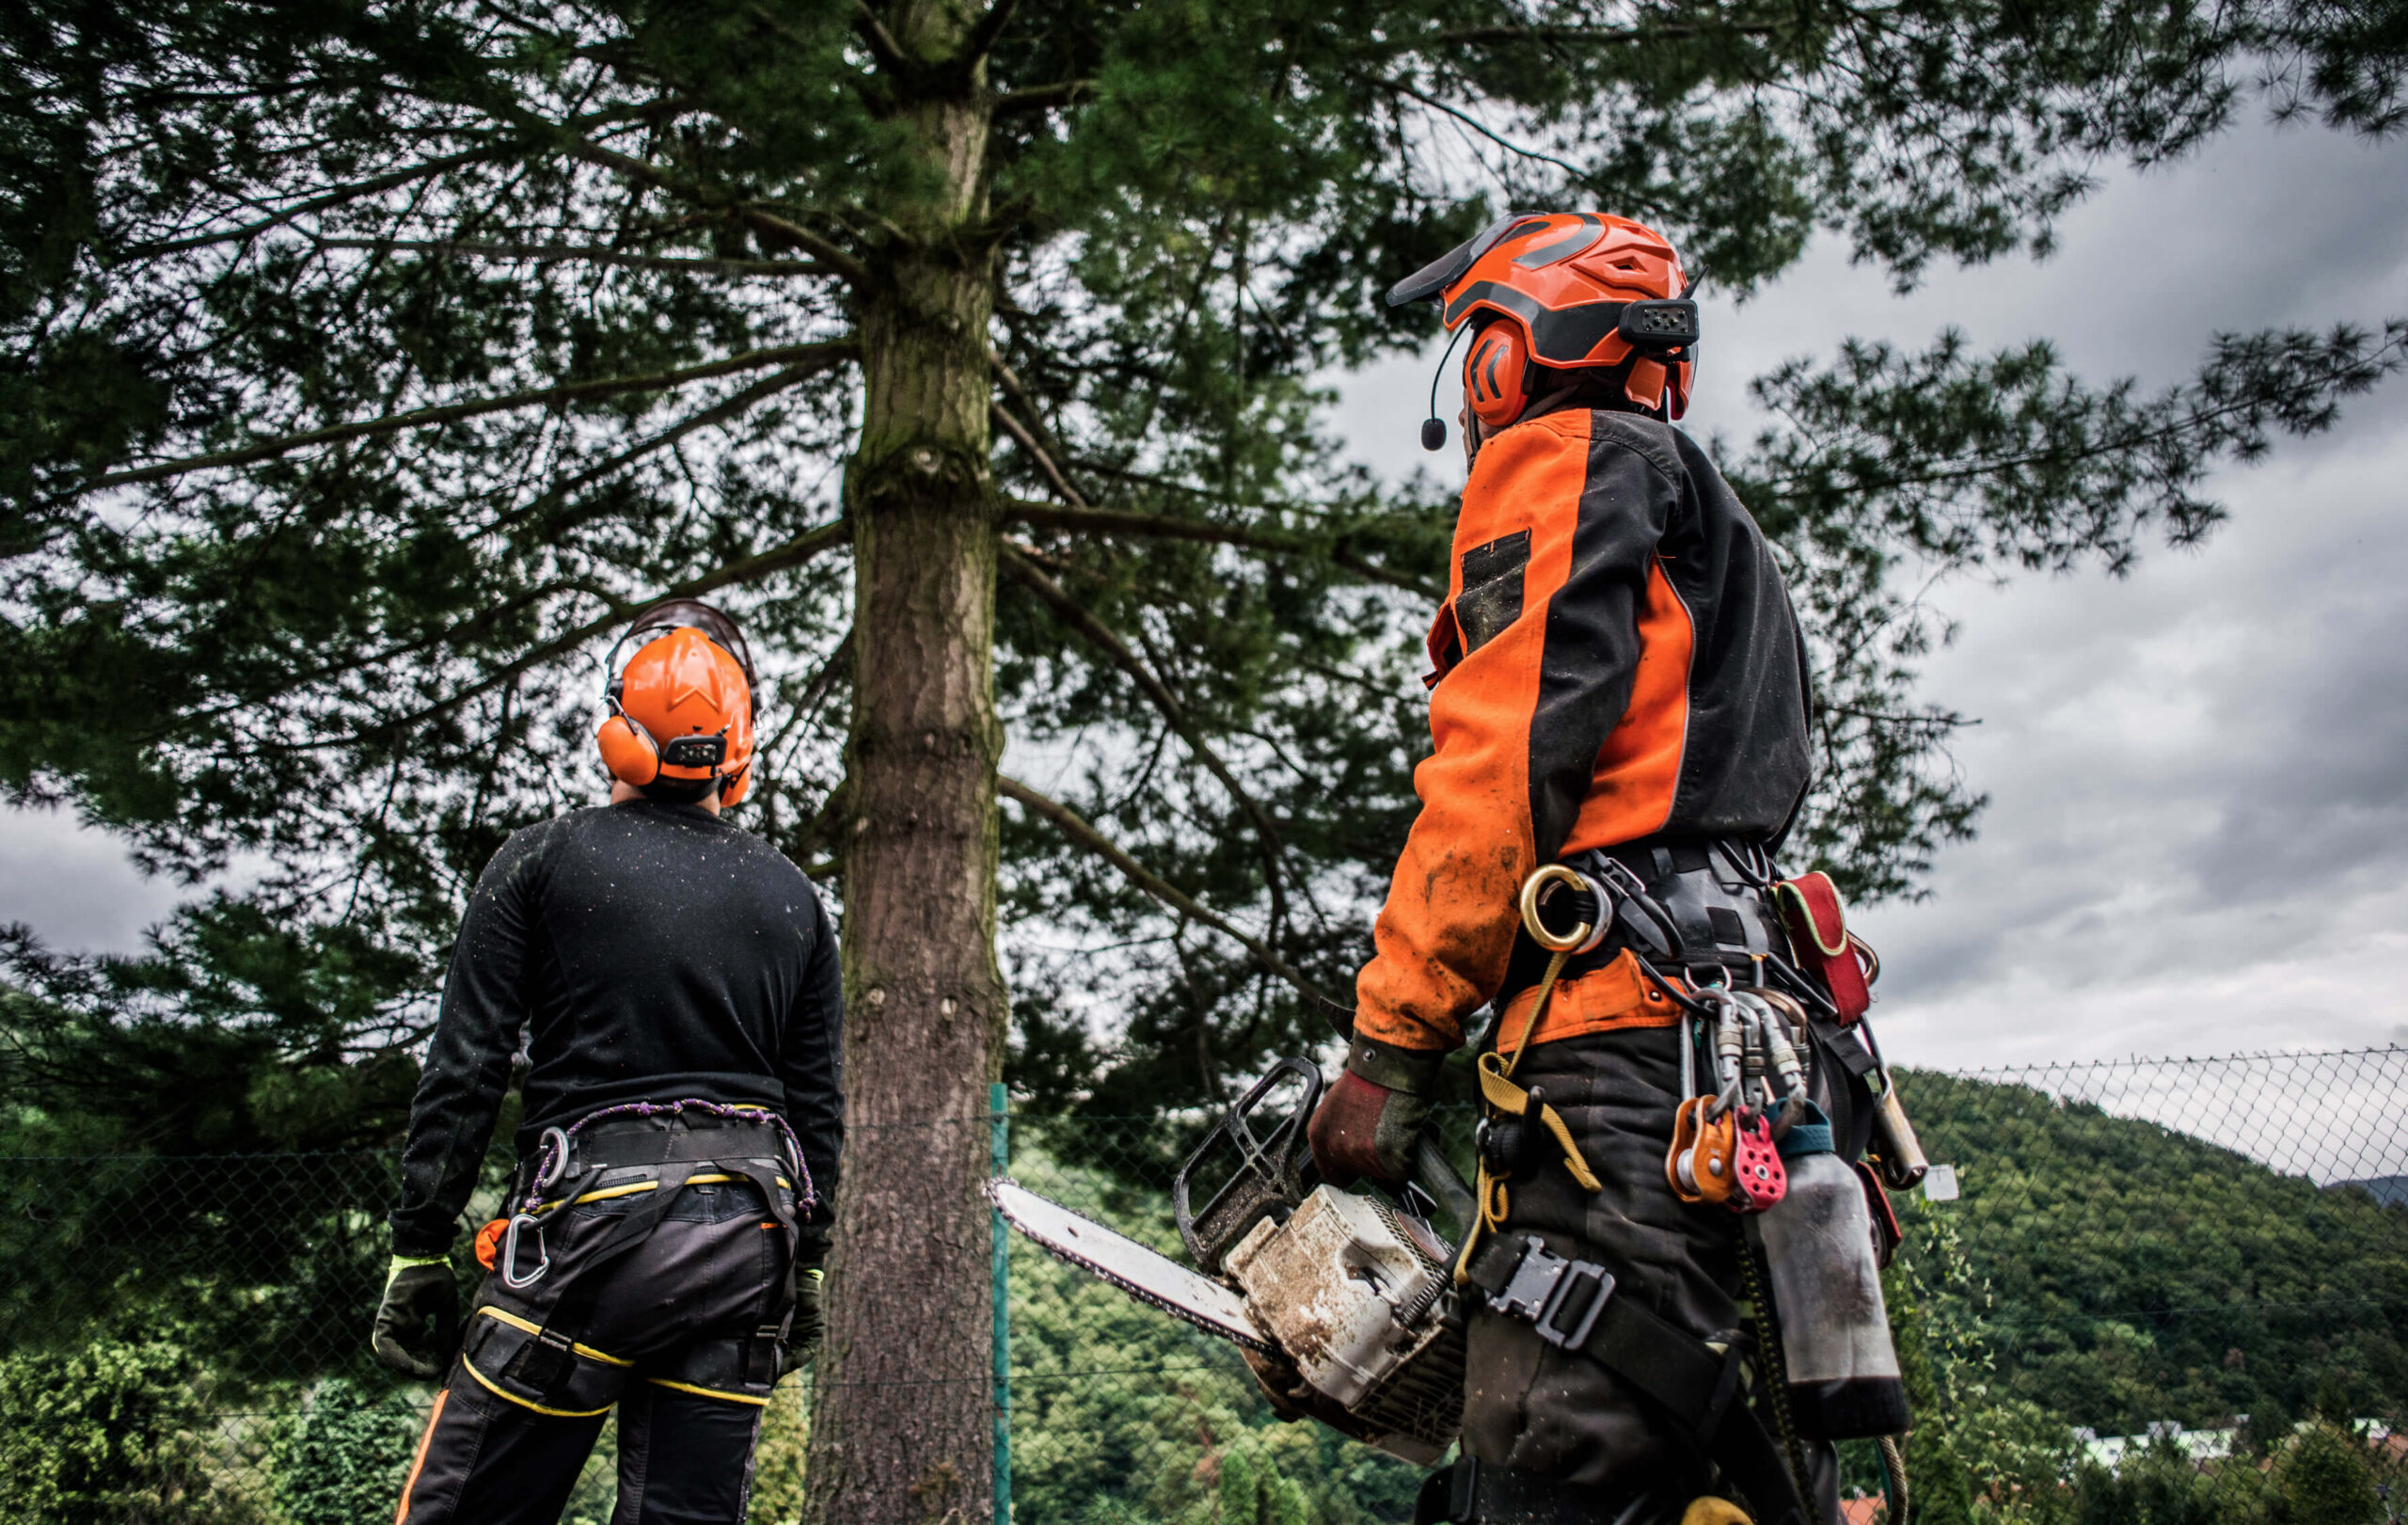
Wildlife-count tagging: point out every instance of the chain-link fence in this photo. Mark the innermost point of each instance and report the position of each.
(2167, 1291)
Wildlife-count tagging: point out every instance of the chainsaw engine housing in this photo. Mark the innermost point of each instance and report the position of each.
(1358, 1296)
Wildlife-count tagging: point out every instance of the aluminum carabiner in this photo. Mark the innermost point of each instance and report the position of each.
(551, 1158)
(508, 1260)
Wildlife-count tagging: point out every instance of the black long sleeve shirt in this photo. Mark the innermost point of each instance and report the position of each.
(653, 952)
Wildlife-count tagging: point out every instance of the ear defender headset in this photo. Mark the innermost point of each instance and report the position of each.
(1497, 375)
(680, 716)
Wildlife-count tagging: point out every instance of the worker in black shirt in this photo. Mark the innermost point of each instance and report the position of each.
(662, 1240)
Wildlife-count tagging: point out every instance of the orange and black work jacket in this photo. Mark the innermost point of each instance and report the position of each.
(1617, 660)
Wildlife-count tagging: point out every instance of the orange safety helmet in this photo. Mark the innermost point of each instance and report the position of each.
(681, 712)
(1562, 291)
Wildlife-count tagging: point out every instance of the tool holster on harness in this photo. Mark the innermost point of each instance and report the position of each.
(526, 1336)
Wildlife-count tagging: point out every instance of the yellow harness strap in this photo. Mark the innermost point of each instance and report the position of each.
(1496, 1090)
(1512, 1100)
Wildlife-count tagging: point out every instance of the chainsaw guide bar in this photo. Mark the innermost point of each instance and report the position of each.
(1146, 1274)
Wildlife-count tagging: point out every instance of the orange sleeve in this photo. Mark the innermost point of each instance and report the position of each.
(1553, 566)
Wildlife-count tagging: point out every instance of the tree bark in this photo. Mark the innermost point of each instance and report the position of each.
(903, 1431)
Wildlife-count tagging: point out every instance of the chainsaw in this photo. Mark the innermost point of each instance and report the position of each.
(1343, 1302)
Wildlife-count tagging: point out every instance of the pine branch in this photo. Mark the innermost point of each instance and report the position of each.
(1497, 36)
(1043, 97)
(793, 553)
(717, 413)
(1082, 519)
(1068, 822)
(1101, 636)
(584, 254)
(1037, 452)
(1579, 175)
(883, 46)
(839, 262)
(990, 28)
(779, 558)
(817, 356)
(319, 203)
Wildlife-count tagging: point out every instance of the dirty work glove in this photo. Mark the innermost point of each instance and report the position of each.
(1368, 1122)
(417, 1289)
(808, 1324)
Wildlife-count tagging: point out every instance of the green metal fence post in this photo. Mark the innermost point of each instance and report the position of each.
(1000, 1142)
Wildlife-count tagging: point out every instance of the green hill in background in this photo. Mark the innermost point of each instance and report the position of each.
(2113, 1272)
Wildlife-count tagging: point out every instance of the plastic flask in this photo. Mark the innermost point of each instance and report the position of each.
(1842, 1370)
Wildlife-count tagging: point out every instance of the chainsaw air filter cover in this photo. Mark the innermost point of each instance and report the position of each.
(1359, 1297)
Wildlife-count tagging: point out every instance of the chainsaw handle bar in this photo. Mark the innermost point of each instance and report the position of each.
(1270, 1174)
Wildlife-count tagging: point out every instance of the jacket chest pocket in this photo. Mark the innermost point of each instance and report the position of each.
(1492, 595)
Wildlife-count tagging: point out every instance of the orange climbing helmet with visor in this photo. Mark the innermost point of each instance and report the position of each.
(1549, 295)
(681, 721)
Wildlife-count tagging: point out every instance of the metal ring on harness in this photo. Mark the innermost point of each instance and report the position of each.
(551, 1152)
(1584, 936)
(508, 1260)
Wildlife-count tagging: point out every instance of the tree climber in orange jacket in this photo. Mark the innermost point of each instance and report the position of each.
(1619, 674)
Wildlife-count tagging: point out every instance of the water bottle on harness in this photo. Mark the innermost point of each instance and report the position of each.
(526, 1336)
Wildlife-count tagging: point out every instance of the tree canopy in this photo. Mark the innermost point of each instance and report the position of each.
(367, 364)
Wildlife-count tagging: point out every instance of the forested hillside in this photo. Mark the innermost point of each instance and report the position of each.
(2097, 1272)
(2121, 1273)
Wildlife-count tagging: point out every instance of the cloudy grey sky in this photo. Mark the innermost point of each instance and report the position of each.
(2198, 836)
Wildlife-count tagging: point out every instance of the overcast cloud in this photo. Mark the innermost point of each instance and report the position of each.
(2198, 836)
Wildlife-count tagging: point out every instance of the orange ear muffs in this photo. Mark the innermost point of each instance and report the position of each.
(629, 750)
(1494, 373)
(732, 787)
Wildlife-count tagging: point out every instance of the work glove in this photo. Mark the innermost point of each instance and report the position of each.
(1368, 1122)
(808, 1324)
(417, 1288)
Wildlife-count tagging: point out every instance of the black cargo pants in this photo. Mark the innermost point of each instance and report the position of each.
(670, 1344)
(1532, 1405)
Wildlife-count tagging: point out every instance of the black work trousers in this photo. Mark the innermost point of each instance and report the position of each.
(666, 1345)
(1533, 1405)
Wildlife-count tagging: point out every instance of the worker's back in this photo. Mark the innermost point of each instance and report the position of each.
(667, 953)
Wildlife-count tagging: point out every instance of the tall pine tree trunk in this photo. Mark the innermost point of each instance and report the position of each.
(902, 1433)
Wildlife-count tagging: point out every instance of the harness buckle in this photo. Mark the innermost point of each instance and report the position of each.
(1543, 1288)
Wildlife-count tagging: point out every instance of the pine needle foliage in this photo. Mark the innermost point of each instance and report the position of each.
(367, 364)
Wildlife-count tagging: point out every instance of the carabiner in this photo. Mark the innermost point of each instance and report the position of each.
(509, 1257)
(551, 1156)
(1585, 935)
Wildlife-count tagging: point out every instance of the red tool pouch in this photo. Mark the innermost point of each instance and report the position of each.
(1818, 934)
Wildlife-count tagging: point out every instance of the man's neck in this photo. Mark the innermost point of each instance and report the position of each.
(624, 793)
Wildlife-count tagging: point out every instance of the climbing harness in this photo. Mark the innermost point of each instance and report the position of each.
(525, 1342)
(556, 1146)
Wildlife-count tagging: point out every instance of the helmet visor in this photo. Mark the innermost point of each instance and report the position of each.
(1427, 282)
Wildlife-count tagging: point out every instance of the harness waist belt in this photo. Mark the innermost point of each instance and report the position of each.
(613, 1145)
(1711, 894)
